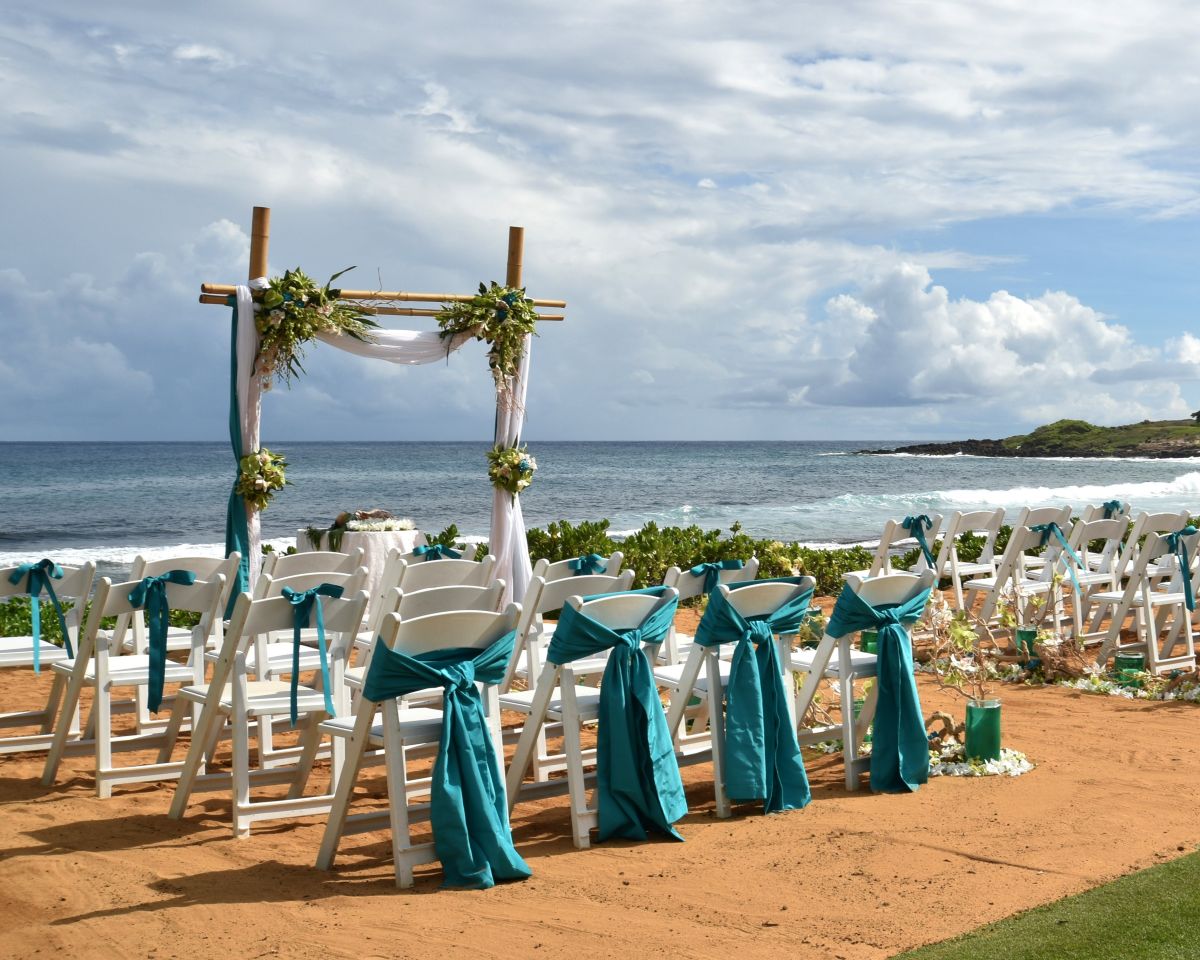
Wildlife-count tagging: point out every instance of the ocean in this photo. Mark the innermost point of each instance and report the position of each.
(111, 501)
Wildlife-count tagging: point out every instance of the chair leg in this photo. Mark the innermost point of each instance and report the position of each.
(241, 771)
(62, 728)
(103, 709)
(344, 788)
(849, 730)
(397, 783)
(716, 728)
(310, 742)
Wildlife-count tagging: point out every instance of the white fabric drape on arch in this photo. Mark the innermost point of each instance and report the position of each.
(508, 543)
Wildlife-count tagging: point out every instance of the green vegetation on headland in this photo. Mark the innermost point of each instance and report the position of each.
(1078, 438)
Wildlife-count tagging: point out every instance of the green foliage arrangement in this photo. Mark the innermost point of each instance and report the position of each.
(260, 475)
(450, 538)
(511, 468)
(293, 311)
(500, 315)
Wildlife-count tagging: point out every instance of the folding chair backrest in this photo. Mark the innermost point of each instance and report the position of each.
(75, 585)
(473, 629)
(552, 595)
(1111, 532)
(692, 585)
(894, 533)
(985, 523)
(894, 588)
(278, 565)
(1145, 524)
(112, 600)
(561, 569)
(622, 611)
(422, 574)
(1095, 511)
(468, 551)
(761, 599)
(1155, 549)
(1035, 516)
(342, 617)
(205, 568)
(424, 603)
(350, 581)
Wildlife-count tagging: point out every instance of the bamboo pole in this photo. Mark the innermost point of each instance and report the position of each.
(516, 259)
(260, 239)
(378, 311)
(227, 289)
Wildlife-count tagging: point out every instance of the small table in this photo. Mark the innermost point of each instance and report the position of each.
(375, 545)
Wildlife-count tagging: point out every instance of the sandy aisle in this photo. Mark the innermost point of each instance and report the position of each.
(853, 875)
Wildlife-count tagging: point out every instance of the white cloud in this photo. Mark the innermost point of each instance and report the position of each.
(203, 54)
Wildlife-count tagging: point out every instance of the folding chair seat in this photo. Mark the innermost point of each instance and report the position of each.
(921, 529)
(231, 696)
(637, 783)
(985, 523)
(865, 605)
(100, 664)
(35, 651)
(751, 735)
(460, 652)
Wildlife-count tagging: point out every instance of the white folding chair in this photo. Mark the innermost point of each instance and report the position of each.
(1017, 565)
(592, 563)
(895, 537)
(835, 659)
(230, 695)
(695, 677)
(691, 585)
(399, 731)
(422, 574)
(558, 698)
(980, 523)
(101, 665)
(19, 653)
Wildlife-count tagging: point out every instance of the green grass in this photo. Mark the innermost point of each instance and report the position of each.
(1150, 915)
(1080, 435)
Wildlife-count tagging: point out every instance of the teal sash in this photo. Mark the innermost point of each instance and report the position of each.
(40, 574)
(1175, 543)
(1112, 507)
(1047, 530)
(638, 787)
(436, 551)
(917, 526)
(303, 603)
(151, 594)
(712, 572)
(468, 810)
(899, 743)
(237, 524)
(587, 565)
(763, 760)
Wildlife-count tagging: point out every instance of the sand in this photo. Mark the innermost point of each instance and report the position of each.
(852, 876)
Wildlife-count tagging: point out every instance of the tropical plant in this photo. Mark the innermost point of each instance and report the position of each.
(503, 316)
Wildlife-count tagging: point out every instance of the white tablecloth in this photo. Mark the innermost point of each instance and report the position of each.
(375, 550)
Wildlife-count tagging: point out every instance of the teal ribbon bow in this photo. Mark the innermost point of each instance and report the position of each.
(437, 551)
(304, 602)
(638, 787)
(917, 526)
(1176, 544)
(468, 810)
(712, 571)
(763, 760)
(1111, 507)
(151, 594)
(588, 564)
(899, 743)
(40, 574)
(1048, 530)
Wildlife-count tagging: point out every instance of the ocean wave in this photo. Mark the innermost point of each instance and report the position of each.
(123, 556)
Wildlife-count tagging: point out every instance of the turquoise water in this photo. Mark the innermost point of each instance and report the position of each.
(112, 500)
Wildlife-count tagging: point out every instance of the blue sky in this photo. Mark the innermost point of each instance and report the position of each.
(771, 220)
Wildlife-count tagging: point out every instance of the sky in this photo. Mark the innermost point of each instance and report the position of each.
(771, 220)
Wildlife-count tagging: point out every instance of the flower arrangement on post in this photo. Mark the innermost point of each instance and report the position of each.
(260, 475)
(511, 468)
(503, 316)
(292, 311)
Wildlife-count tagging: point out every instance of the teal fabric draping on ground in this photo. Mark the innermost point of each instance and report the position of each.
(151, 594)
(763, 760)
(468, 809)
(917, 526)
(899, 743)
(39, 576)
(237, 524)
(436, 551)
(587, 565)
(1048, 530)
(712, 571)
(1178, 546)
(1111, 507)
(638, 787)
(304, 602)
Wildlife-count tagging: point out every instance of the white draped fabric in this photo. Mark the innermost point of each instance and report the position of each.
(508, 543)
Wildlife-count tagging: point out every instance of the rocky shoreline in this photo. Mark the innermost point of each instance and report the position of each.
(1165, 449)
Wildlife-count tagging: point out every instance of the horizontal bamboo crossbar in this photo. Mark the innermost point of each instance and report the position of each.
(381, 311)
(228, 289)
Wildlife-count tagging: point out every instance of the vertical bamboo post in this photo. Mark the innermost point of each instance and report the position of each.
(260, 239)
(516, 256)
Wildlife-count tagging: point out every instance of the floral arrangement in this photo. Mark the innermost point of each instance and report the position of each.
(358, 521)
(502, 316)
(511, 468)
(260, 475)
(949, 759)
(965, 655)
(292, 311)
